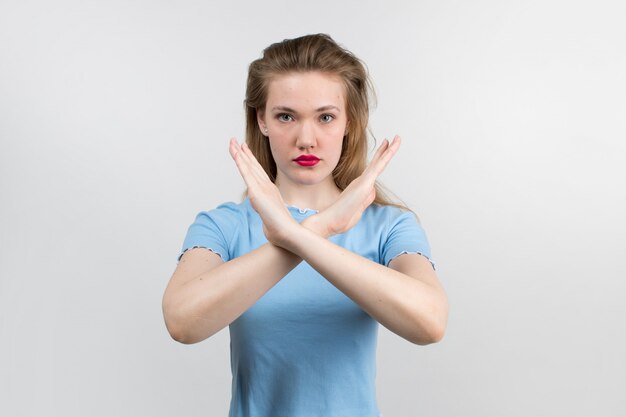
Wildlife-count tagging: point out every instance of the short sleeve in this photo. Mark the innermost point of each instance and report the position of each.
(405, 235)
(213, 230)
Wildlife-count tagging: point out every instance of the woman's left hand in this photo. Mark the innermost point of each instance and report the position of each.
(344, 213)
(263, 193)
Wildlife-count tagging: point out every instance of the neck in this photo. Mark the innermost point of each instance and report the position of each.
(313, 196)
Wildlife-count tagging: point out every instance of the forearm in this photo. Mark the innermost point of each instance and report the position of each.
(214, 299)
(409, 307)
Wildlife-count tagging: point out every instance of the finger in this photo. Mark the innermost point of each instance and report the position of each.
(247, 157)
(395, 144)
(242, 163)
(381, 163)
(232, 147)
(392, 149)
(381, 149)
(236, 149)
(254, 163)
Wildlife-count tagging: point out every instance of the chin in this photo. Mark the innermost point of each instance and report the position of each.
(307, 181)
(309, 178)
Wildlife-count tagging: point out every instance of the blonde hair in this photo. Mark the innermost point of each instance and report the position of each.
(314, 53)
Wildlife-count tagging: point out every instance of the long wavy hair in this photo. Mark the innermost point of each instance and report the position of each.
(315, 53)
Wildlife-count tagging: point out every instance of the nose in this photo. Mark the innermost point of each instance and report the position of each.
(306, 136)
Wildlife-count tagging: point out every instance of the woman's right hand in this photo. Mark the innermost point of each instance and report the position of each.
(342, 215)
(263, 193)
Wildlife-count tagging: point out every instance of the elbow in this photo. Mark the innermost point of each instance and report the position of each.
(432, 330)
(176, 330)
(429, 336)
(179, 335)
(178, 327)
(182, 334)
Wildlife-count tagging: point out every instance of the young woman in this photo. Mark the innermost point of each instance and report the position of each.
(305, 268)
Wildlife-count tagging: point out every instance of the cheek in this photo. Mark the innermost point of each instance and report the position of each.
(338, 132)
(337, 146)
(336, 140)
(277, 150)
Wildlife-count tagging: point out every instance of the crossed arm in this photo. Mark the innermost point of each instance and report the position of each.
(206, 294)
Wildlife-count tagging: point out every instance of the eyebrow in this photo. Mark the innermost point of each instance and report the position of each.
(320, 109)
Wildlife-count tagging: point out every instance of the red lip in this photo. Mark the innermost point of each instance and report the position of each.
(307, 160)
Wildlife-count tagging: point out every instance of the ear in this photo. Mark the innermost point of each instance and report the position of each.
(260, 118)
(345, 133)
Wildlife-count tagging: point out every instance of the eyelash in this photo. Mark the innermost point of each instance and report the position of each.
(281, 117)
(328, 115)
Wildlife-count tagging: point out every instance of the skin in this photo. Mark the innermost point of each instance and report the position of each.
(305, 115)
(206, 294)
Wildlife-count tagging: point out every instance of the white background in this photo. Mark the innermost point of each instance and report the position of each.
(114, 122)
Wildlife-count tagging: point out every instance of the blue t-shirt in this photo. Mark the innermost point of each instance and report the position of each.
(305, 349)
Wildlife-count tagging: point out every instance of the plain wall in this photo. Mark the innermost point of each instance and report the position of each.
(114, 123)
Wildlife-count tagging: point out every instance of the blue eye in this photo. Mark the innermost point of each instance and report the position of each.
(284, 117)
(327, 118)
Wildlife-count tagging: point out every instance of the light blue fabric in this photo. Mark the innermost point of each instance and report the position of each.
(305, 349)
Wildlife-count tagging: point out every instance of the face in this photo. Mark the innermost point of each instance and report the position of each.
(305, 117)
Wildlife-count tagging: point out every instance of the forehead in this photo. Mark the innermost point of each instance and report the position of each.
(305, 90)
